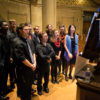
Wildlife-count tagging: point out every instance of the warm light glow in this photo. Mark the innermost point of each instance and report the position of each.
(80, 1)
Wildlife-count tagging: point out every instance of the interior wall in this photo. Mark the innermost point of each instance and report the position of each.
(67, 12)
(20, 11)
(71, 12)
(68, 16)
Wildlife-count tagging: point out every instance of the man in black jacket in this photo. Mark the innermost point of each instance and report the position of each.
(26, 63)
(11, 35)
(35, 36)
(44, 55)
(4, 58)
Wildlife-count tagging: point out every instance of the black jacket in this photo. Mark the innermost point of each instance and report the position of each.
(11, 36)
(4, 50)
(21, 52)
(43, 54)
(36, 40)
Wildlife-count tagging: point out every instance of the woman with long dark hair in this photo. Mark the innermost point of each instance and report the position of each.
(71, 49)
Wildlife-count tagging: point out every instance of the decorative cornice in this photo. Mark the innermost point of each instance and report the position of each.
(77, 3)
(25, 1)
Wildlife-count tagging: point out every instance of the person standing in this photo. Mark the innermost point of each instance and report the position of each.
(11, 35)
(71, 50)
(36, 36)
(62, 36)
(4, 58)
(26, 62)
(44, 55)
(49, 32)
(55, 60)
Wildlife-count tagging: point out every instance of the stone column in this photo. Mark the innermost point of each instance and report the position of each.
(49, 13)
(36, 14)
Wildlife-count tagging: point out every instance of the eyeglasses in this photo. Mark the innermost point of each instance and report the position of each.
(26, 29)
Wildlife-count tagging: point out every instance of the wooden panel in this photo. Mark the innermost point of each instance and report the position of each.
(86, 25)
(68, 21)
(19, 17)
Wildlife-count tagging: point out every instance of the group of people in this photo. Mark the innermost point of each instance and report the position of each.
(28, 57)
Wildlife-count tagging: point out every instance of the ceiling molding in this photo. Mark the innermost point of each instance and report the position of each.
(25, 1)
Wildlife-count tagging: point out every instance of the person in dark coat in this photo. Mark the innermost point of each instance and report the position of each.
(36, 36)
(11, 35)
(44, 55)
(56, 62)
(4, 58)
(36, 41)
(62, 36)
(49, 32)
(26, 62)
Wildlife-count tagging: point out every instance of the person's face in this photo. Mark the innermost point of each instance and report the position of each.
(45, 37)
(36, 30)
(56, 34)
(49, 27)
(62, 29)
(72, 29)
(12, 25)
(25, 30)
(4, 26)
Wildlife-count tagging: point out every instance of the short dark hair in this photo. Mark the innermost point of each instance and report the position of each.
(48, 25)
(41, 35)
(1, 22)
(22, 25)
(27, 23)
(35, 27)
(11, 20)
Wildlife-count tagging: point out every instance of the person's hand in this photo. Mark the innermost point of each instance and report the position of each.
(49, 60)
(70, 55)
(57, 57)
(33, 67)
(11, 60)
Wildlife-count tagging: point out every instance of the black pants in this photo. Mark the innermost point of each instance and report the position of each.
(63, 64)
(41, 74)
(3, 78)
(24, 83)
(55, 64)
(12, 73)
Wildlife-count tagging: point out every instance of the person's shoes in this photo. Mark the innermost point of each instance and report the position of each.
(46, 90)
(58, 73)
(33, 91)
(4, 98)
(56, 81)
(70, 77)
(34, 82)
(53, 81)
(39, 93)
(12, 86)
(66, 78)
(6, 91)
(18, 93)
(63, 73)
